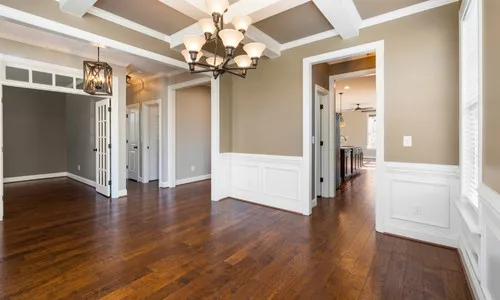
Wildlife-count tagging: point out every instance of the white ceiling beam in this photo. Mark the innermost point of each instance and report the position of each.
(343, 15)
(192, 8)
(276, 8)
(273, 47)
(76, 7)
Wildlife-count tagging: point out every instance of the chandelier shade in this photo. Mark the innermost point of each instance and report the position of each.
(214, 61)
(243, 61)
(217, 6)
(193, 43)
(228, 39)
(254, 50)
(241, 23)
(97, 77)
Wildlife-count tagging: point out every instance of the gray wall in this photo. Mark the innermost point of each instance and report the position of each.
(193, 132)
(34, 132)
(80, 132)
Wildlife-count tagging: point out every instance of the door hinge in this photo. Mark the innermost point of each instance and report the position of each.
(109, 146)
(109, 182)
(127, 115)
(321, 106)
(321, 179)
(109, 108)
(321, 143)
(127, 167)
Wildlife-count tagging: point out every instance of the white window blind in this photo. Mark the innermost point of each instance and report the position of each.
(372, 132)
(470, 102)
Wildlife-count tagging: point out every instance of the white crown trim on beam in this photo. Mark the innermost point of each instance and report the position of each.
(76, 7)
(342, 15)
(27, 18)
(128, 24)
(189, 8)
(387, 17)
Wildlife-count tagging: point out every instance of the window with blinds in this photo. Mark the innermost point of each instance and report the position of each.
(470, 102)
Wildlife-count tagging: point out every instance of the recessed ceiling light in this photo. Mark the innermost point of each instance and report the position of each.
(347, 87)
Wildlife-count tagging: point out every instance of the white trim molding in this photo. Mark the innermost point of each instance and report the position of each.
(81, 179)
(307, 90)
(121, 194)
(34, 177)
(193, 179)
(420, 201)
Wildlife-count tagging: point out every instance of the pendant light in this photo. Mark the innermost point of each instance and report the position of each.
(97, 77)
(342, 122)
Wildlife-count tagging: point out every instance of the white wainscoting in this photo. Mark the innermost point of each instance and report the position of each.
(269, 180)
(420, 202)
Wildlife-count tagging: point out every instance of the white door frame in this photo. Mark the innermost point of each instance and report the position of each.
(8, 60)
(378, 48)
(139, 142)
(329, 186)
(215, 132)
(318, 137)
(145, 140)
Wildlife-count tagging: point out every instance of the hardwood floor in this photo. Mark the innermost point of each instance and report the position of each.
(60, 240)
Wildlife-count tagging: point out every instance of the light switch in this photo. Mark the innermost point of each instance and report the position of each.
(407, 142)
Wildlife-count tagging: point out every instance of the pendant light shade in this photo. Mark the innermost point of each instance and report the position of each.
(214, 61)
(243, 61)
(217, 6)
(187, 56)
(231, 37)
(242, 23)
(207, 26)
(254, 50)
(341, 118)
(193, 43)
(97, 77)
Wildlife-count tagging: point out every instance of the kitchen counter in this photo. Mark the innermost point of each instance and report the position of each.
(351, 161)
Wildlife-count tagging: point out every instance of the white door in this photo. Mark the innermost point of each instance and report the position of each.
(154, 142)
(103, 147)
(133, 143)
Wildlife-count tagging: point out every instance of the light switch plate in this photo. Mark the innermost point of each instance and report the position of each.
(407, 141)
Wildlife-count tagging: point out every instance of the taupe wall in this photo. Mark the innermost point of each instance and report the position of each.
(421, 91)
(193, 132)
(80, 132)
(34, 132)
(356, 131)
(491, 89)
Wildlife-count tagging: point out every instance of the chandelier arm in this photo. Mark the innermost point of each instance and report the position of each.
(241, 69)
(199, 64)
(201, 71)
(237, 74)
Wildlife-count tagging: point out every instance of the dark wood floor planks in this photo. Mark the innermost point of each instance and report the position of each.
(61, 240)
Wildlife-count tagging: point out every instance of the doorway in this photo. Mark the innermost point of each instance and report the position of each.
(133, 142)
(151, 141)
(308, 125)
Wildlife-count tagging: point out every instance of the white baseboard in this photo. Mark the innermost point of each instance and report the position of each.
(163, 185)
(81, 179)
(193, 179)
(122, 193)
(469, 273)
(420, 202)
(34, 177)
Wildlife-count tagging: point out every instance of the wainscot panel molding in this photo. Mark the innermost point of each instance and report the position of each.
(269, 180)
(420, 202)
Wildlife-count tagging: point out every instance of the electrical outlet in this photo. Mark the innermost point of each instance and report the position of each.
(192, 168)
(78, 167)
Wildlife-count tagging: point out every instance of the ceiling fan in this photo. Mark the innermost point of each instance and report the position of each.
(364, 109)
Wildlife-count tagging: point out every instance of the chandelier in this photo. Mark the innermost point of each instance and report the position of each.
(214, 32)
(97, 77)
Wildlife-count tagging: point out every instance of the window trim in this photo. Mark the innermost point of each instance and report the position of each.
(368, 115)
(464, 9)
